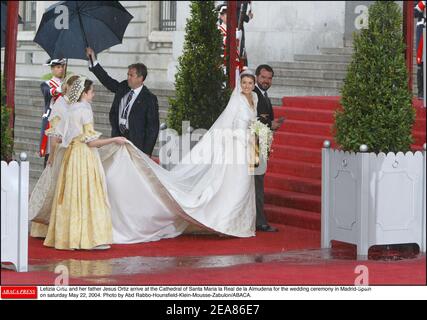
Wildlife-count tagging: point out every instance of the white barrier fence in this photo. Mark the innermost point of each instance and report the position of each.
(373, 199)
(14, 213)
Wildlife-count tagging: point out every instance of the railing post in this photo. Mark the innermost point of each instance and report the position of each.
(231, 42)
(363, 232)
(408, 34)
(424, 220)
(24, 169)
(424, 65)
(325, 210)
(10, 58)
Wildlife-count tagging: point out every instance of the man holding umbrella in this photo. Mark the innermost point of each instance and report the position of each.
(134, 113)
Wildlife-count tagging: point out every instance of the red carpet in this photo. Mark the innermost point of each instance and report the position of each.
(293, 179)
(279, 273)
(280, 258)
(289, 238)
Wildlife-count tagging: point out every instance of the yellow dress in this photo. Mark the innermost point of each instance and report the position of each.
(80, 215)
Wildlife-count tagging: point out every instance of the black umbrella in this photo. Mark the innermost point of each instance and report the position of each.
(96, 24)
(3, 22)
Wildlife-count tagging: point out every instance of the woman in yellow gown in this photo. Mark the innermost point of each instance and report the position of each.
(39, 230)
(79, 216)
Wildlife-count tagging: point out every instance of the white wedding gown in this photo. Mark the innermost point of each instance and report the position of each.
(149, 203)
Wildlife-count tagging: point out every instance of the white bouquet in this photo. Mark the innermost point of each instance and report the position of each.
(264, 137)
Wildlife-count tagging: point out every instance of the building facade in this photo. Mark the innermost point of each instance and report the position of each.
(278, 31)
(308, 44)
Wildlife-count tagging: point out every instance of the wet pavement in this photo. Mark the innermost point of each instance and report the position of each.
(106, 269)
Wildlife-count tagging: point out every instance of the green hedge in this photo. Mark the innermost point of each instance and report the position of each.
(199, 82)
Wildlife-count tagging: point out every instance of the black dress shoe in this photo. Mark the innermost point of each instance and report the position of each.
(266, 228)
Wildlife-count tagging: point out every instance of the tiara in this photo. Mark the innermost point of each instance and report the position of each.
(247, 72)
(76, 89)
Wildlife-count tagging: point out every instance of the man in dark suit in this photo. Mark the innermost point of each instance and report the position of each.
(264, 74)
(134, 113)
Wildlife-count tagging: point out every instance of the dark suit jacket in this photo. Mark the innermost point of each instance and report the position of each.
(44, 87)
(264, 106)
(144, 114)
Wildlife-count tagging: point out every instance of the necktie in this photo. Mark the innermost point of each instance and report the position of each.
(122, 127)
(267, 99)
(127, 105)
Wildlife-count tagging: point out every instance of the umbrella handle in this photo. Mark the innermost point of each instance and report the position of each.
(66, 65)
(84, 35)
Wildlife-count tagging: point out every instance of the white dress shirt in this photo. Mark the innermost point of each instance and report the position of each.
(123, 103)
(124, 99)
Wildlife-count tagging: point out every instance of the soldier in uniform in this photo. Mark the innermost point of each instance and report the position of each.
(222, 10)
(243, 16)
(51, 90)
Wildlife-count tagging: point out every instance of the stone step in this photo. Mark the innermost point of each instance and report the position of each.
(24, 111)
(348, 43)
(32, 149)
(310, 74)
(33, 157)
(27, 122)
(306, 65)
(311, 65)
(286, 91)
(35, 109)
(26, 135)
(30, 123)
(160, 87)
(337, 51)
(323, 58)
(29, 146)
(309, 83)
(23, 107)
(36, 173)
(99, 92)
(34, 99)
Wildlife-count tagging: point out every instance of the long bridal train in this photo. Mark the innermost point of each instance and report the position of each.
(149, 203)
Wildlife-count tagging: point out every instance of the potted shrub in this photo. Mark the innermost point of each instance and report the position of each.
(373, 187)
(199, 82)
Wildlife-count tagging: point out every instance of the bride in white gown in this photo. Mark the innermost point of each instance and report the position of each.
(211, 189)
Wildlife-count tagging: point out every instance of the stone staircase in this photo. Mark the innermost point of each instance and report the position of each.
(309, 88)
(316, 74)
(293, 178)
